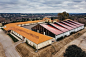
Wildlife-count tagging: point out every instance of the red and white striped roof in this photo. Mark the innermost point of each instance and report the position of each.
(52, 29)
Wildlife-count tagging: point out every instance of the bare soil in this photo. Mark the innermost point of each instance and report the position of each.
(49, 51)
(80, 42)
(2, 53)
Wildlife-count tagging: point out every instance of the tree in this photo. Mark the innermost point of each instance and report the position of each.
(74, 51)
(63, 15)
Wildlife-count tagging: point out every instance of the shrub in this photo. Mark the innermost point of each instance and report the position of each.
(74, 51)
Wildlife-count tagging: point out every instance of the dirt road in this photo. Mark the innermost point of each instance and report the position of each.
(8, 45)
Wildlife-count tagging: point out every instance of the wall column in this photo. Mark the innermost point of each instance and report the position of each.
(38, 31)
(44, 33)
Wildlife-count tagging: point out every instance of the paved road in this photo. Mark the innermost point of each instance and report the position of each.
(8, 45)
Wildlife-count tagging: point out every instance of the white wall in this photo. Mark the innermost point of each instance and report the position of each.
(83, 27)
(31, 43)
(43, 44)
(79, 28)
(58, 36)
(40, 22)
(76, 29)
(72, 30)
(19, 25)
(27, 24)
(67, 33)
(37, 46)
(17, 34)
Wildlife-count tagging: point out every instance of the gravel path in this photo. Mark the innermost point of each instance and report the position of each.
(8, 45)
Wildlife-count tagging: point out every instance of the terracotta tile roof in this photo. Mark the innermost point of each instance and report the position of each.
(29, 34)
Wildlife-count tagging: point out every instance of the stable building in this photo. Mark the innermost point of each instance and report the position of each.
(34, 39)
(64, 30)
(65, 26)
(48, 30)
(58, 29)
(42, 34)
(74, 27)
(78, 26)
(81, 25)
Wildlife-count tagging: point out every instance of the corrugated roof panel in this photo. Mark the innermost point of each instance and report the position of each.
(60, 28)
(52, 29)
(69, 28)
(70, 25)
(77, 23)
(73, 23)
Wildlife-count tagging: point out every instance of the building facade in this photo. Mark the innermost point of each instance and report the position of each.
(34, 39)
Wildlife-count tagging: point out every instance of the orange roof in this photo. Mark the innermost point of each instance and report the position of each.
(28, 22)
(67, 19)
(29, 34)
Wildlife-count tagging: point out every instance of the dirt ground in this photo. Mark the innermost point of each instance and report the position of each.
(2, 53)
(80, 42)
(54, 50)
(8, 45)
